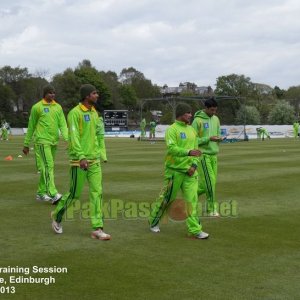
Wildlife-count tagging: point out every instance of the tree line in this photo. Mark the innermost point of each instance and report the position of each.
(240, 100)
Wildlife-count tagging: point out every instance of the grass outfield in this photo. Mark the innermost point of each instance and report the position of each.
(254, 255)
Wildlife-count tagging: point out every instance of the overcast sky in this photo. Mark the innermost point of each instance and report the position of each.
(169, 41)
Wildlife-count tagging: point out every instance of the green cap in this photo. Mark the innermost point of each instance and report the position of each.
(182, 108)
(86, 89)
(48, 89)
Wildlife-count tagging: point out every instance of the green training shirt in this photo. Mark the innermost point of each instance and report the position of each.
(180, 139)
(101, 140)
(45, 121)
(152, 125)
(207, 127)
(296, 126)
(143, 124)
(86, 135)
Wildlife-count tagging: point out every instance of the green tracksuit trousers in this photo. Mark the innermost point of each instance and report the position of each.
(37, 158)
(45, 155)
(78, 177)
(265, 133)
(173, 182)
(207, 170)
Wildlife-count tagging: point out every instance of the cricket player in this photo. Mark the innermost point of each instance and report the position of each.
(207, 126)
(264, 132)
(296, 129)
(152, 130)
(86, 148)
(4, 133)
(45, 121)
(143, 128)
(180, 172)
(4, 130)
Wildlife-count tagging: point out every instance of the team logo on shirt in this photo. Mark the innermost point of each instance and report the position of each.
(87, 118)
(182, 135)
(206, 125)
(46, 109)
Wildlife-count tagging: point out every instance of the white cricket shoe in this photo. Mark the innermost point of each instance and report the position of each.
(45, 198)
(202, 235)
(155, 229)
(99, 234)
(56, 198)
(57, 227)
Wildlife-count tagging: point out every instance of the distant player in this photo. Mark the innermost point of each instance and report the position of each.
(45, 121)
(180, 172)
(86, 148)
(4, 134)
(296, 129)
(4, 130)
(152, 125)
(143, 128)
(264, 133)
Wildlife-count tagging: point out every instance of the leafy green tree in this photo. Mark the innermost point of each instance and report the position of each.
(145, 89)
(238, 89)
(143, 86)
(67, 86)
(127, 74)
(7, 107)
(110, 79)
(293, 92)
(282, 114)
(234, 85)
(263, 98)
(86, 73)
(15, 78)
(128, 95)
(6, 100)
(279, 92)
(26, 90)
(32, 92)
(292, 95)
(12, 76)
(264, 110)
(248, 115)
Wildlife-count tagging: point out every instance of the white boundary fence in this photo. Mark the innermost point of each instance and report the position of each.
(231, 131)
